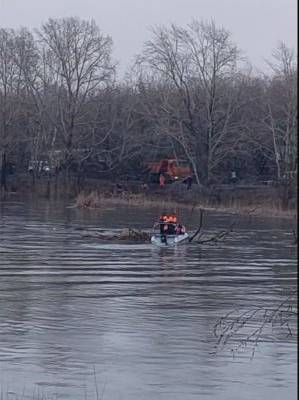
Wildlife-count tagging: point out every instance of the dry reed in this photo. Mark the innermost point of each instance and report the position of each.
(243, 205)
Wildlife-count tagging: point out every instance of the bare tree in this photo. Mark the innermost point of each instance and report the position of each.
(281, 112)
(10, 92)
(187, 98)
(198, 63)
(117, 137)
(80, 65)
(27, 59)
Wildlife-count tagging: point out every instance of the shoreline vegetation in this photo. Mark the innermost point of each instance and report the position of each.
(182, 112)
(189, 108)
(255, 200)
(230, 200)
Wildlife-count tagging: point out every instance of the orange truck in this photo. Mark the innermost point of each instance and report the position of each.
(172, 169)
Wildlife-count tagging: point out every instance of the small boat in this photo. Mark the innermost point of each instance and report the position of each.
(168, 240)
(169, 233)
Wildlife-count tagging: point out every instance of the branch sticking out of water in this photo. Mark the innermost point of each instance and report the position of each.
(248, 328)
(200, 226)
(220, 236)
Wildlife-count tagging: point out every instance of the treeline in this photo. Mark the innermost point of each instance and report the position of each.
(189, 95)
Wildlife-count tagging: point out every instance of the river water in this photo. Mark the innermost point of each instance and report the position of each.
(83, 319)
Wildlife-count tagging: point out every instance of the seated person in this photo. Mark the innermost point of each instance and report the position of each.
(163, 224)
(167, 224)
(164, 228)
(171, 229)
(180, 229)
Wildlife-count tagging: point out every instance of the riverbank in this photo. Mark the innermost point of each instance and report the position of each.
(237, 202)
(260, 200)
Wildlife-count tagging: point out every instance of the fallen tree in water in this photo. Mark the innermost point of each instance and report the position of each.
(217, 237)
(140, 236)
(129, 235)
(242, 331)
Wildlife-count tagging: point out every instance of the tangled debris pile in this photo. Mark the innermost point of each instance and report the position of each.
(128, 235)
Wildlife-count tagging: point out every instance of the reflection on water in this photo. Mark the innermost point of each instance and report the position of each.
(136, 319)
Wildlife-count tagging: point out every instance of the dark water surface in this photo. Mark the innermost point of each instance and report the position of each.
(132, 321)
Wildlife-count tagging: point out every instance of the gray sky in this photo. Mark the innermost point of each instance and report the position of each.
(256, 25)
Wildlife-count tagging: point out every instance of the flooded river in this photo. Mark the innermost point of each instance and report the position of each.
(81, 319)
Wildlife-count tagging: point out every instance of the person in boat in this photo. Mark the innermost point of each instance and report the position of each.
(168, 223)
(169, 226)
(171, 221)
(163, 228)
(163, 224)
(180, 230)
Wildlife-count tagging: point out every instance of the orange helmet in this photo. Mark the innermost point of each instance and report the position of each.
(172, 218)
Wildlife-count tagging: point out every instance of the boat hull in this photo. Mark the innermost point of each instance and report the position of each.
(171, 240)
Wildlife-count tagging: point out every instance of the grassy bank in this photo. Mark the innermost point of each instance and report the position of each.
(94, 193)
(257, 201)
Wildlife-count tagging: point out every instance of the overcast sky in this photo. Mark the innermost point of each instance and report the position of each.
(256, 25)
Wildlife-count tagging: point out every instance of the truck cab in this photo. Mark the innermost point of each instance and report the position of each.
(172, 169)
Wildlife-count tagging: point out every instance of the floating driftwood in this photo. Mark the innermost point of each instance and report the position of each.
(128, 235)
